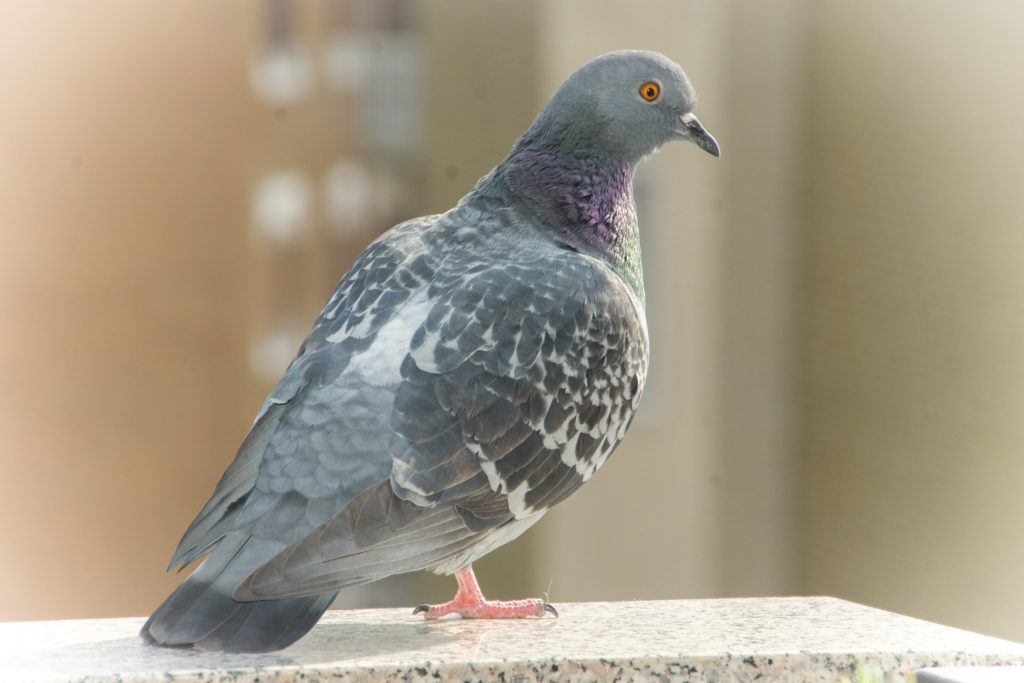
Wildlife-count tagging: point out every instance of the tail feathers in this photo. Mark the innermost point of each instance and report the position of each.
(201, 612)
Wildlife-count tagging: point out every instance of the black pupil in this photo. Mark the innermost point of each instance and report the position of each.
(649, 92)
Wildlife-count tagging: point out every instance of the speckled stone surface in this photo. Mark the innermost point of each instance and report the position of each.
(972, 674)
(798, 639)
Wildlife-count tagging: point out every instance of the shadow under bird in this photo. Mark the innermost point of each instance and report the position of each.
(471, 370)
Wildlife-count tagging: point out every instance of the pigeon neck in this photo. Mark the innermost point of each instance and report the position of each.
(585, 198)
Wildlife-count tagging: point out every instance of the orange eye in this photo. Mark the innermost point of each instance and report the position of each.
(650, 91)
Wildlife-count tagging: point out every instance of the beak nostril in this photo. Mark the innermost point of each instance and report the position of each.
(698, 135)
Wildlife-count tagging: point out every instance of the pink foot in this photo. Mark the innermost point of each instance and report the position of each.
(470, 604)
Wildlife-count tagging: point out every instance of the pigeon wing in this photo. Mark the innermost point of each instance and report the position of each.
(516, 387)
(321, 436)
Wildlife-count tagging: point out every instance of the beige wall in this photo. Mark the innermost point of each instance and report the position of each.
(130, 289)
(913, 294)
(846, 389)
(834, 304)
(122, 292)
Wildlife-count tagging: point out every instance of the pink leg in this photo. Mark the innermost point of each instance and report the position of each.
(469, 602)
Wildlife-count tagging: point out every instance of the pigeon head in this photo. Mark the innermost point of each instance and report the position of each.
(572, 170)
(626, 104)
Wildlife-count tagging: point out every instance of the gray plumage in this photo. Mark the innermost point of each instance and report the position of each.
(471, 370)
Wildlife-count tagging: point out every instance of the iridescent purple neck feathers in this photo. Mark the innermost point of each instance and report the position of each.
(587, 200)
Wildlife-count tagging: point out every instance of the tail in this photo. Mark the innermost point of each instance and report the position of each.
(201, 612)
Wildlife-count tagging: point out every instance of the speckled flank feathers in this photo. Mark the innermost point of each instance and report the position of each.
(470, 371)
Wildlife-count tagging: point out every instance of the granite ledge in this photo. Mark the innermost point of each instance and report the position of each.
(800, 638)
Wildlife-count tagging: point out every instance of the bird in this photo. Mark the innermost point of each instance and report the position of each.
(471, 370)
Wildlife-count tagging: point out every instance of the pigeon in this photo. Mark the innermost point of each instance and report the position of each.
(470, 370)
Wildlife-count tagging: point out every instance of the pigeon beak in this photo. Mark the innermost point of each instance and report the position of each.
(695, 133)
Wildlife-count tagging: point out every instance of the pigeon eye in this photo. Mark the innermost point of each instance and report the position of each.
(650, 91)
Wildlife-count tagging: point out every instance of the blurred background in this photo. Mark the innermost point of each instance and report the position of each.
(837, 400)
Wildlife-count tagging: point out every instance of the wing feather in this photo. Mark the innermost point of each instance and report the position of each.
(499, 415)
